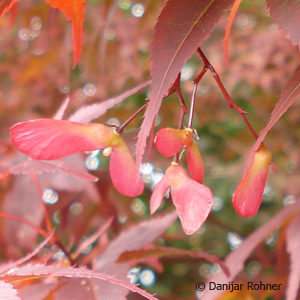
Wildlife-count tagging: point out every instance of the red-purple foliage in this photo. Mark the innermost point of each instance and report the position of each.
(181, 28)
(98, 243)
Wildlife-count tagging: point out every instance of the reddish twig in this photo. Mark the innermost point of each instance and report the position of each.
(41, 231)
(194, 93)
(122, 127)
(228, 99)
(38, 187)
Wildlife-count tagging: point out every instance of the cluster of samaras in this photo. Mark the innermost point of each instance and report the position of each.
(49, 139)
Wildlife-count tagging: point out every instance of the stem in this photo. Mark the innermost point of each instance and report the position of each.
(42, 232)
(228, 99)
(182, 103)
(122, 127)
(192, 107)
(48, 223)
(26, 222)
(181, 118)
(223, 225)
(38, 187)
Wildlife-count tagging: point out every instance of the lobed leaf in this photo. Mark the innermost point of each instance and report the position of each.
(182, 26)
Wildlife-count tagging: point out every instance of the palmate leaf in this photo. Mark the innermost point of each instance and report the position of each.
(182, 26)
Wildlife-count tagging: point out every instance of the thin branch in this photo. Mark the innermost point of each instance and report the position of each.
(122, 127)
(26, 222)
(38, 187)
(211, 218)
(228, 99)
(192, 106)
